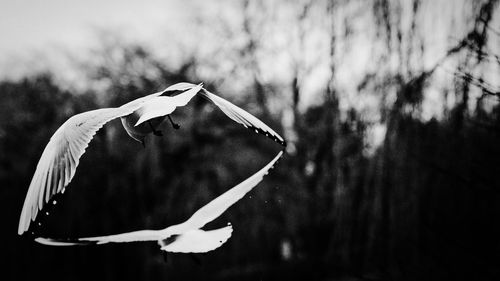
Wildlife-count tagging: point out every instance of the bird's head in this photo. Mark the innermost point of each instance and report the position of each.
(139, 138)
(134, 133)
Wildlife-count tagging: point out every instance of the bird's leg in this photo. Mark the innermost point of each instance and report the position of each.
(165, 257)
(174, 125)
(155, 132)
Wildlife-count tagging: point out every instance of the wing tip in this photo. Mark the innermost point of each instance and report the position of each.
(61, 242)
(23, 227)
(20, 230)
(24, 220)
(235, 113)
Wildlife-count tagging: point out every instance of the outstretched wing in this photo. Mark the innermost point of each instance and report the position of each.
(62, 242)
(243, 117)
(134, 236)
(165, 105)
(61, 156)
(220, 204)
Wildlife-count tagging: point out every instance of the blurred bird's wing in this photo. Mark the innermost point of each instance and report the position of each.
(193, 241)
(219, 205)
(165, 105)
(243, 117)
(198, 241)
(58, 242)
(134, 236)
(61, 156)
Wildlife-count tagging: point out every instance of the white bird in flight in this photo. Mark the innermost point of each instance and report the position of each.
(186, 237)
(140, 117)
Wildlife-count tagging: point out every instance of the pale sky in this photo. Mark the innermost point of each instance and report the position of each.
(33, 24)
(37, 29)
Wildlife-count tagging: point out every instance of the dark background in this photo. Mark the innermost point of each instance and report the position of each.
(422, 204)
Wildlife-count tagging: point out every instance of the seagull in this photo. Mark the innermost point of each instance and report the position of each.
(186, 237)
(141, 117)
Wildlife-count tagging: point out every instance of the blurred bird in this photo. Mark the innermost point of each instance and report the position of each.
(140, 117)
(186, 237)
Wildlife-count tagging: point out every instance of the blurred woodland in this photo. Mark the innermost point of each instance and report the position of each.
(372, 187)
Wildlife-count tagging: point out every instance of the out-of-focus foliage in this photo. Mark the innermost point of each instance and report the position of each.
(418, 201)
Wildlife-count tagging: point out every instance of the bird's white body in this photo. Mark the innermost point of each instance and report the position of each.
(140, 132)
(140, 117)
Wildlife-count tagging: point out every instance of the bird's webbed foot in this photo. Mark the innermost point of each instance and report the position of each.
(174, 125)
(157, 133)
